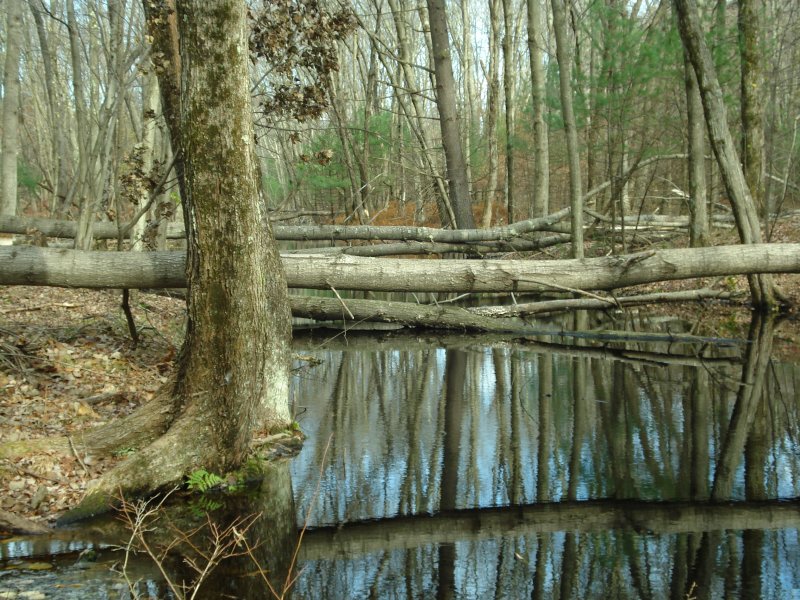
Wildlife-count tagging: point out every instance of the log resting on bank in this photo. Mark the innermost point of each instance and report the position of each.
(30, 265)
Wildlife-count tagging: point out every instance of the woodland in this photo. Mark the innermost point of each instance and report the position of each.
(546, 155)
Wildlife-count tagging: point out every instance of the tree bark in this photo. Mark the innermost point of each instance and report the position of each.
(541, 161)
(233, 370)
(448, 117)
(698, 198)
(762, 288)
(565, 70)
(66, 229)
(752, 109)
(28, 265)
(509, 92)
(11, 108)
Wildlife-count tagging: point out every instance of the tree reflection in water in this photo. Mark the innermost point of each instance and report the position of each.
(643, 467)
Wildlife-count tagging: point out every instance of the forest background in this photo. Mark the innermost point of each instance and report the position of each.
(90, 140)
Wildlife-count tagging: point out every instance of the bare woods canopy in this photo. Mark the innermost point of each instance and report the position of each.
(84, 134)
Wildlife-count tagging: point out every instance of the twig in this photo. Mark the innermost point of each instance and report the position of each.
(40, 307)
(77, 456)
(31, 473)
(343, 304)
(611, 301)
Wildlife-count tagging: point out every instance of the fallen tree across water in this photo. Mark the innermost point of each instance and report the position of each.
(28, 265)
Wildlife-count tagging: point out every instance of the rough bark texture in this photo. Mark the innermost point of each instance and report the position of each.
(448, 117)
(239, 330)
(233, 370)
(762, 288)
(70, 268)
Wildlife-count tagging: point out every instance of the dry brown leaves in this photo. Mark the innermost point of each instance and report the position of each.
(67, 364)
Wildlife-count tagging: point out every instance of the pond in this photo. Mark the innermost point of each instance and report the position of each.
(643, 462)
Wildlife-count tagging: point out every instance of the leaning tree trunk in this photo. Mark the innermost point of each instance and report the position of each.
(762, 288)
(233, 370)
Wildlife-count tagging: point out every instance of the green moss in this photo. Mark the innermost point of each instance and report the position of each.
(92, 505)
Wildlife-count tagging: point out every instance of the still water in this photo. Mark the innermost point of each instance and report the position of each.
(645, 463)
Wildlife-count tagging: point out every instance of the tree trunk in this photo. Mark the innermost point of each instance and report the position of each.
(11, 107)
(490, 121)
(698, 198)
(509, 92)
(233, 370)
(752, 89)
(102, 270)
(541, 162)
(235, 357)
(565, 70)
(448, 117)
(762, 287)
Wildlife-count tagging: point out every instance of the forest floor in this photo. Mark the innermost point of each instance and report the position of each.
(67, 362)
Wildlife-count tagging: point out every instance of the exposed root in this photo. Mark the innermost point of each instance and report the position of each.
(136, 430)
(184, 447)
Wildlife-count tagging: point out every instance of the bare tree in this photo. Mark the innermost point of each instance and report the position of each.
(541, 170)
(232, 376)
(448, 117)
(762, 289)
(509, 92)
(752, 90)
(563, 55)
(698, 202)
(11, 106)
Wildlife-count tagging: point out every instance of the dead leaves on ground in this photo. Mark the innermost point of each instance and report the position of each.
(67, 364)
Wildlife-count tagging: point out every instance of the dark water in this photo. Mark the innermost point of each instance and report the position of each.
(651, 466)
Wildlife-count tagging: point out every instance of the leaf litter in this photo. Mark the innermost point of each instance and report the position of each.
(67, 363)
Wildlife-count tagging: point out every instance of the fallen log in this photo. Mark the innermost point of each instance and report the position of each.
(435, 316)
(430, 248)
(109, 230)
(29, 265)
(553, 306)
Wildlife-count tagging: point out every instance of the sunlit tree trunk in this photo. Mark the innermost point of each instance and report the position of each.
(563, 56)
(11, 107)
(490, 122)
(448, 117)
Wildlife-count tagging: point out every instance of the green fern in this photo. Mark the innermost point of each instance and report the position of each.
(202, 481)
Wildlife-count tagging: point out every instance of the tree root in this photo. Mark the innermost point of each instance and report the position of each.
(136, 430)
(185, 446)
